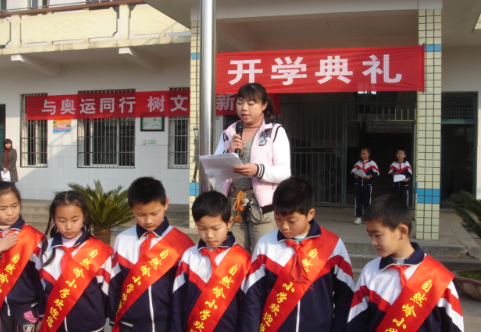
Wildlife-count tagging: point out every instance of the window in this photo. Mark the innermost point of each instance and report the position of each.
(33, 139)
(178, 142)
(178, 139)
(106, 143)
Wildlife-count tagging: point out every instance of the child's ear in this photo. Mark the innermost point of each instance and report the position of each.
(311, 214)
(403, 231)
(230, 222)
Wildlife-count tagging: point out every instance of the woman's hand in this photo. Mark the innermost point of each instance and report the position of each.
(236, 143)
(8, 241)
(4, 170)
(246, 170)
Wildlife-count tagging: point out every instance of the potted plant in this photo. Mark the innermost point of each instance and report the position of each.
(108, 209)
(467, 207)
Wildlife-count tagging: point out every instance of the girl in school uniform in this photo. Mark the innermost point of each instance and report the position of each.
(21, 297)
(75, 270)
(363, 184)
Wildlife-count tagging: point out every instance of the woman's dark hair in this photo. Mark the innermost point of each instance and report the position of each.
(257, 93)
(7, 140)
(65, 198)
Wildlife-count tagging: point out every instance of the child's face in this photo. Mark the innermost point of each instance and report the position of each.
(365, 154)
(400, 155)
(388, 242)
(294, 224)
(69, 220)
(213, 230)
(9, 209)
(150, 215)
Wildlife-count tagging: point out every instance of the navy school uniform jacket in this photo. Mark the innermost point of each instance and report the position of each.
(403, 168)
(194, 272)
(378, 287)
(27, 293)
(370, 168)
(324, 306)
(152, 311)
(91, 310)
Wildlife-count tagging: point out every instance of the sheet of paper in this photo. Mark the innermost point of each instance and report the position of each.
(398, 177)
(219, 167)
(359, 172)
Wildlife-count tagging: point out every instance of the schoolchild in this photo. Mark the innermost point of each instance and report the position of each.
(401, 167)
(212, 273)
(21, 295)
(145, 261)
(363, 184)
(76, 268)
(404, 289)
(301, 275)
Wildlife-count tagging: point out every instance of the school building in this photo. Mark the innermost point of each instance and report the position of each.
(110, 91)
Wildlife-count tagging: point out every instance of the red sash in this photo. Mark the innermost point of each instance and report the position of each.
(219, 291)
(287, 293)
(150, 268)
(73, 281)
(417, 298)
(16, 258)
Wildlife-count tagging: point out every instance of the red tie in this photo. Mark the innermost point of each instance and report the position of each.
(145, 246)
(66, 257)
(298, 273)
(402, 276)
(212, 254)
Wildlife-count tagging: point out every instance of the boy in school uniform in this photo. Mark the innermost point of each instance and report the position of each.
(301, 276)
(401, 167)
(404, 289)
(145, 260)
(208, 287)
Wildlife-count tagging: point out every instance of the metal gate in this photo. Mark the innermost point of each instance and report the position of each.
(318, 127)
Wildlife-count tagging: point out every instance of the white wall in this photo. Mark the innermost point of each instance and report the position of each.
(462, 73)
(150, 160)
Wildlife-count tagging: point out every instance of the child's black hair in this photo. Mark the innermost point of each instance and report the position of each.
(65, 198)
(145, 190)
(389, 210)
(293, 195)
(212, 204)
(367, 148)
(6, 187)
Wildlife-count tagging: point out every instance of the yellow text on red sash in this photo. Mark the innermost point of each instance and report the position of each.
(417, 298)
(286, 292)
(80, 271)
(219, 291)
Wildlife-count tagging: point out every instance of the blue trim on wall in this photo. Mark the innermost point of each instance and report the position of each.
(193, 189)
(432, 47)
(194, 56)
(429, 196)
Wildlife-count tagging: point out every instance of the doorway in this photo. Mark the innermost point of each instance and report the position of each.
(458, 148)
(326, 131)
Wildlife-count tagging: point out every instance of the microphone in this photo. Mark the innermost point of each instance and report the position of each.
(239, 127)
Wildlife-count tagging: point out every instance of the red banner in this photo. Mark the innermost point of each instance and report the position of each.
(324, 70)
(109, 105)
(120, 105)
